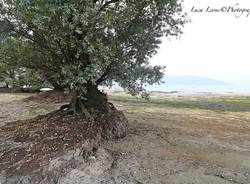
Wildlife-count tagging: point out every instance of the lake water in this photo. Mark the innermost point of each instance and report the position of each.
(201, 88)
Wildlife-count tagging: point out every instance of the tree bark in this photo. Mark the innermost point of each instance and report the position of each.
(94, 106)
(58, 88)
(57, 85)
(94, 101)
(7, 85)
(95, 98)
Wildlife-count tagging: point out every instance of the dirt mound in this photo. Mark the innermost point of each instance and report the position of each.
(17, 90)
(6, 90)
(37, 141)
(49, 97)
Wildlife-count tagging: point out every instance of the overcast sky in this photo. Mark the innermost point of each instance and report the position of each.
(214, 45)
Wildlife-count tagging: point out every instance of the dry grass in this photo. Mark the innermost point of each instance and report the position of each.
(178, 138)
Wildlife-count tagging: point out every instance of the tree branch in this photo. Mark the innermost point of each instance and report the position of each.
(95, 1)
(104, 75)
(107, 4)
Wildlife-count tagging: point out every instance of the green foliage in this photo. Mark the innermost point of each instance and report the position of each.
(14, 55)
(9, 70)
(81, 42)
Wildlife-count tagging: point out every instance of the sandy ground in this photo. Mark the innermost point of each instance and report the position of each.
(178, 145)
(165, 145)
(11, 108)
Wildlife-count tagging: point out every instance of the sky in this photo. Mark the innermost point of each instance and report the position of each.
(213, 45)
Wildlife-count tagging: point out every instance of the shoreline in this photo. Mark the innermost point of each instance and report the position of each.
(189, 93)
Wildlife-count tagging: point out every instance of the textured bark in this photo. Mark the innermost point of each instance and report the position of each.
(95, 107)
(93, 101)
(96, 99)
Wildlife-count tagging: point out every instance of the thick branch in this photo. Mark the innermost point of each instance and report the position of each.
(62, 50)
(107, 4)
(95, 1)
(104, 75)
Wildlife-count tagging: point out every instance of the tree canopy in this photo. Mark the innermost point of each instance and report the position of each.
(85, 43)
(15, 56)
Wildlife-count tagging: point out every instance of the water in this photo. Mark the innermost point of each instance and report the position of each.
(201, 88)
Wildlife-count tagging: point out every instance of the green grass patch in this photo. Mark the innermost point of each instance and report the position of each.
(218, 103)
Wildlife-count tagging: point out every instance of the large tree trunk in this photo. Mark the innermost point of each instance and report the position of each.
(7, 85)
(95, 107)
(92, 100)
(57, 86)
(96, 99)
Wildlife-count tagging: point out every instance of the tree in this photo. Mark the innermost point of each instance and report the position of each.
(87, 43)
(10, 52)
(14, 57)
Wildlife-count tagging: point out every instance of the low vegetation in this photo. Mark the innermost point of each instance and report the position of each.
(203, 101)
(167, 142)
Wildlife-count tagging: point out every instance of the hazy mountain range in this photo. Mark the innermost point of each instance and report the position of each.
(188, 83)
(191, 80)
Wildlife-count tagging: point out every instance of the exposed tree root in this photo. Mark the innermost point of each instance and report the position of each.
(51, 134)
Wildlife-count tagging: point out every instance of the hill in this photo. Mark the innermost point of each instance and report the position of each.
(191, 80)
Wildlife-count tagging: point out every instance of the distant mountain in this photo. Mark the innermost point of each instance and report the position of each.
(189, 83)
(191, 80)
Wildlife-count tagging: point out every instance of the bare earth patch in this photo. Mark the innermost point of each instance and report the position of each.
(167, 144)
(12, 107)
(49, 97)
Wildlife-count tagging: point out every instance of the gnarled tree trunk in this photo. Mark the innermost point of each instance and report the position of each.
(94, 106)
